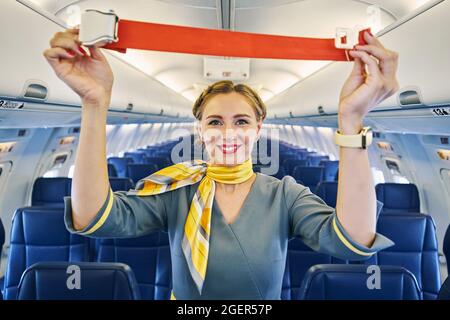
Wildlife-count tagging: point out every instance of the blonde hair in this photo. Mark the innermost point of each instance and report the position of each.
(227, 86)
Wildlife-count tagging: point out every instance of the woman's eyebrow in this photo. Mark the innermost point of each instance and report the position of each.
(241, 115)
(214, 116)
(235, 116)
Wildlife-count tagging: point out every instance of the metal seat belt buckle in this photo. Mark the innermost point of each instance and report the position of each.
(350, 40)
(98, 28)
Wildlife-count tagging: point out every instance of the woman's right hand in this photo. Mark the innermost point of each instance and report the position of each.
(90, 77)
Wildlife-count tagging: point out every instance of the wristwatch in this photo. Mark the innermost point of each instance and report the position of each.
(361, 140)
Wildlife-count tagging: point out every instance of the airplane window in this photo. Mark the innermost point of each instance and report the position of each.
(397, 175)
(59, 160)
(445, 175)
(392, 165)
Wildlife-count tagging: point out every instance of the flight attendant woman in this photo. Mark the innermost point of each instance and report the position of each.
(228, 226)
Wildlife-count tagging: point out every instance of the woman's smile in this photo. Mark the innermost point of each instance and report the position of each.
(229, 148)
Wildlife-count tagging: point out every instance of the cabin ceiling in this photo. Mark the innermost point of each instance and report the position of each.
(183, 73)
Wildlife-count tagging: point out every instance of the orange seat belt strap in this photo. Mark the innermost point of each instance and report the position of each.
(170, 38)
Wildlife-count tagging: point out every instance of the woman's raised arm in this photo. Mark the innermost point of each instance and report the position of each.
(91, 77)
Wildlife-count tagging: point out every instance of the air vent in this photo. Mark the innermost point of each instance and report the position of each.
(35, 91)
(410, 97)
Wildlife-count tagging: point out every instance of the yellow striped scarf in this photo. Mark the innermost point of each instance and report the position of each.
(195, 243)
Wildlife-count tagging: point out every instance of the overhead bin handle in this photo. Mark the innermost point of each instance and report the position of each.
(98, 28)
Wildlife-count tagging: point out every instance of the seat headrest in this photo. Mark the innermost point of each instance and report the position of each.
(98, 281)
(328, 192)
(398, 197)
(350, 282)
(120, 184)
(50, 191)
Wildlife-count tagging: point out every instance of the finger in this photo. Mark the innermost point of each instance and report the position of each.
(96, 54)
(371, 63)
(54, 55)
(376, 51)
(373, 40)
(388, 59)
(67, 34)
(73, 30)
(358, 68)
(66, 43)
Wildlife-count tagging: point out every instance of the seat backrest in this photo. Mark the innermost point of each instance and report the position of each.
(120, 184)
(299, 259)
(39, 234)
(290, 163)
(328, 192)
(262, 168)
(398, 197)
(138, 171)
(304, 154)
(444, 292)
(330, 169)
(112, 172)
(416, 248)
(161, 162)
(314, 160)
(310, 176)
(121, 165)
(2, 238)
(78, 281)
(446, 248)
(351, 282)
(149, 258)
(50, 192)
(137, 156)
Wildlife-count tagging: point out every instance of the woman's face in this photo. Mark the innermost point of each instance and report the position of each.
(229, 128)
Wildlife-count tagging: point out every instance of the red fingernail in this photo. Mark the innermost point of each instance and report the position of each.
(82, 50)
(70, 52)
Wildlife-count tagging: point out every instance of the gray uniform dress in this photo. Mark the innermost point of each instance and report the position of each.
(247, 257)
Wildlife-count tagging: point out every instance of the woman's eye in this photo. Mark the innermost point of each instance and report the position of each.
(241, 122)
(214, 122)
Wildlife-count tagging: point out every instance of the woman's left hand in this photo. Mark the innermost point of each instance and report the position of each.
(363, 90)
